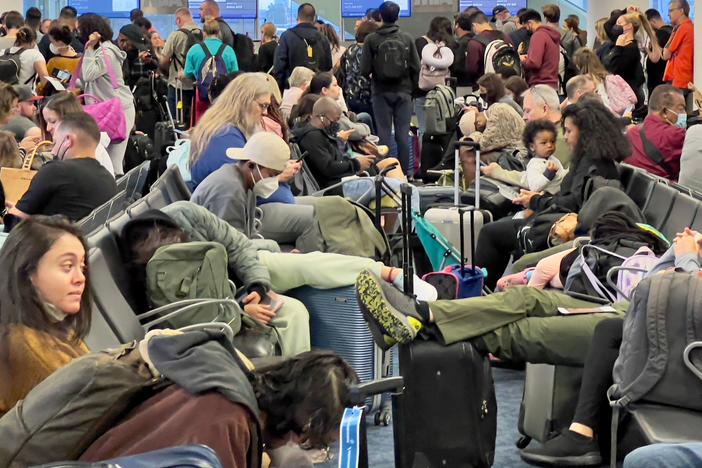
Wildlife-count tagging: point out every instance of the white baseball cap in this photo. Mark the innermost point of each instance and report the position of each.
(265, 149)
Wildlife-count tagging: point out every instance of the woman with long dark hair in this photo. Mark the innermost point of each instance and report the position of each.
(596, 141)
(45, 304)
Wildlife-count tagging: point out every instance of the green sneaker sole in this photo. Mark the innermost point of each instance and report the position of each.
(383, 319)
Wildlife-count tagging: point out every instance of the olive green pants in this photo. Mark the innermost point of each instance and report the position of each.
(522, 324)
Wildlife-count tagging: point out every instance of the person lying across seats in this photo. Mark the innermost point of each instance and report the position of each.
(577, 445)
(521, 324)
(74, 184)
(229, 191)
(273, 409)
(45, 306)
(261, 273)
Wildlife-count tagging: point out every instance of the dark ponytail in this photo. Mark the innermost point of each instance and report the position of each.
(25, 36)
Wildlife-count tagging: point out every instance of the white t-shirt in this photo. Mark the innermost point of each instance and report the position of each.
(101, 154)
(27, 60)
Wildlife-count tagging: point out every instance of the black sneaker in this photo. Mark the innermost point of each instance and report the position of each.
(567, 449)
(392, 317)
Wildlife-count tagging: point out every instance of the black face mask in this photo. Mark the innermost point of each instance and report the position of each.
(617, 30)
(333, 129)
(132, 54)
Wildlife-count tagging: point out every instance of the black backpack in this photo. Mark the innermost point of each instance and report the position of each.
(244, 48)
(195, 36)
(10, 67)
(309, 54)
(614, 237)
(500, 57)
(391, 61)
(357, 87)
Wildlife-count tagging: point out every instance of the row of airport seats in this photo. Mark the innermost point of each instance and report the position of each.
(669, 207)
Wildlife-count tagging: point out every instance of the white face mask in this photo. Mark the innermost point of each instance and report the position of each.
(57, 51)
(265, 187)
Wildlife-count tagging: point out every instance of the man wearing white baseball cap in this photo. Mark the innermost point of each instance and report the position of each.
(225, 192)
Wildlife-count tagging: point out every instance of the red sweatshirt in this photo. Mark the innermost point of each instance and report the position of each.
(668, 139)
(543, 57)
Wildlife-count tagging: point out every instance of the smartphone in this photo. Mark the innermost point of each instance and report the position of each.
(267, 300)
(63, 75)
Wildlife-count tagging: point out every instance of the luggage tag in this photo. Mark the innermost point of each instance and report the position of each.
(309, 50)
(352, 441)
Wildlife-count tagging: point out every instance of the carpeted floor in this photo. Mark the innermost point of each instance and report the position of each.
(508, 386)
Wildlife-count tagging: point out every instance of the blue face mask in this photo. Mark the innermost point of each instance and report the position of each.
(682, 121)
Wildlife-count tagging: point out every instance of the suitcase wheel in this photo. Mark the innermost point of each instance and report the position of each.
(522, 442)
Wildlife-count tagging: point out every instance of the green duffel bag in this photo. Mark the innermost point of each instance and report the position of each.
(192, 270)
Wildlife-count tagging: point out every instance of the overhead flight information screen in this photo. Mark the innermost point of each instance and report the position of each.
(107, 8)
(358, 8)
(229, 9)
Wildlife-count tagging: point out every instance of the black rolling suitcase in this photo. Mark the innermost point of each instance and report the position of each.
(447, 414)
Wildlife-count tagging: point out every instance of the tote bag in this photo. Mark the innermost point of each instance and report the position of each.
(15, 182)
(108, 114)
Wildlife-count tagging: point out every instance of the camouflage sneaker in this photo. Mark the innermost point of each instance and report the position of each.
(392, 316)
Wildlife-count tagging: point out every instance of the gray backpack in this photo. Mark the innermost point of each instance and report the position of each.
(439, 107)
(660, 359)
(192, 270)
(63, 415)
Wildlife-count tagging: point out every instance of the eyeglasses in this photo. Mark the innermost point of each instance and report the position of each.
(670, 10)
(263, 106)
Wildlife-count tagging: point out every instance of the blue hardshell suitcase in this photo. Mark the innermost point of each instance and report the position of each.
(184, 456)
(336, 323)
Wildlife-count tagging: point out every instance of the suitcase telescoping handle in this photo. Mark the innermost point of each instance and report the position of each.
(461, 211)
(407, 268)
(456, 165)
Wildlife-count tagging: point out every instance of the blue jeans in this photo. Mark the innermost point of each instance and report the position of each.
(393, 109)
(365, 118)
(665, 456)
(187, 103)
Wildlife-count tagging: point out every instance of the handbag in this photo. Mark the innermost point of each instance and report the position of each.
(108, 114)
(15, 182)
(255, 340)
